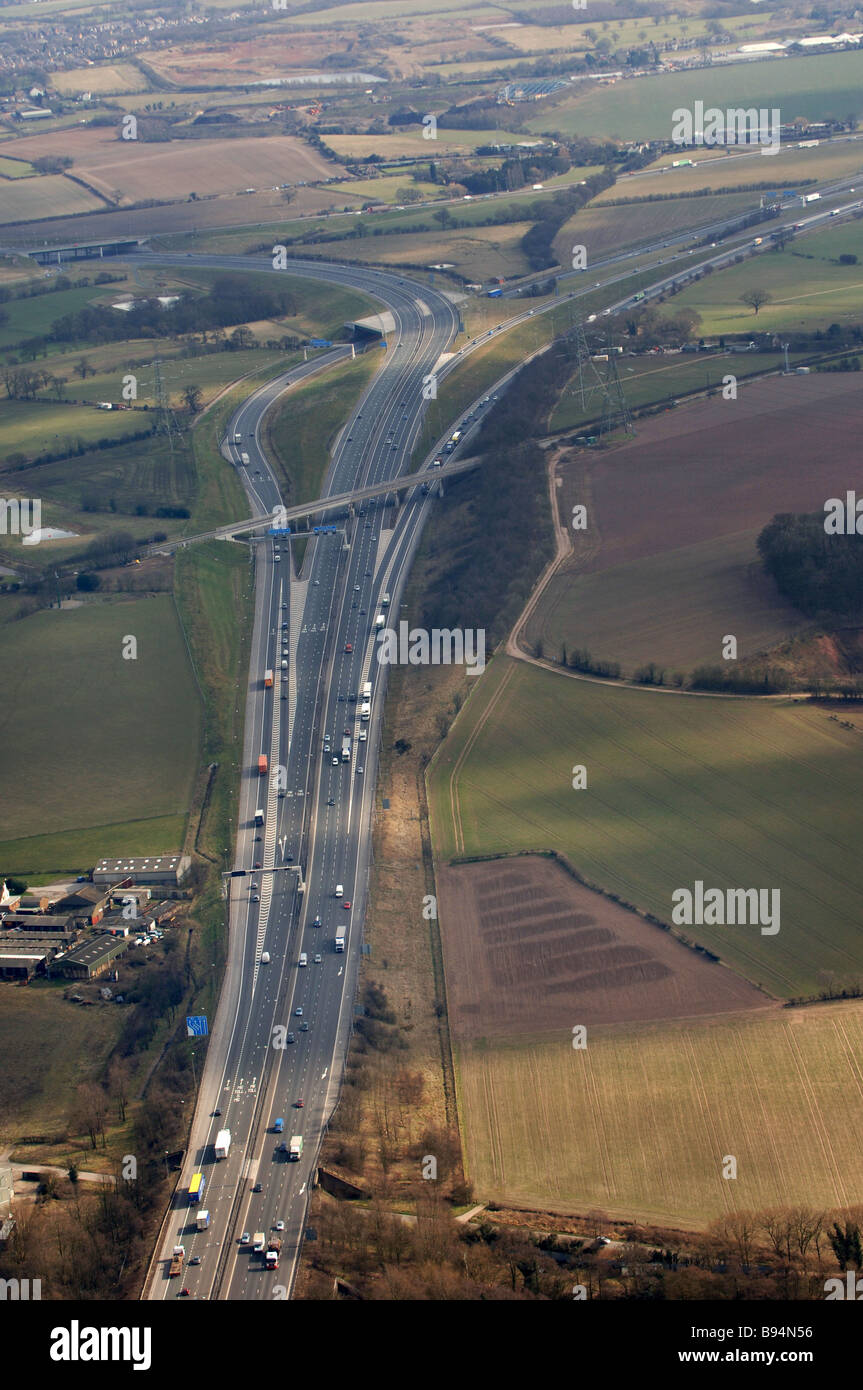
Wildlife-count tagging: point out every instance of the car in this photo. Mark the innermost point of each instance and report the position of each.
(332, 801)
(256, 897)
(335, 762)
(284, 605)
(299, 1103)
(350, 439)
(349, 646)
(257, 837)
(185, 1293)
(359, 769)
(346, 905)
(217, 1112)
(368, 574)
(195, 1260)
(363, 736)
(360, 415)
(298, 1011)
(318, 959)
(341, 697)
(290, 1038)
(317, 581)
(280, 1225)
(257, 863)
(362, 612)
(356, 588)
(245, 1237)
(258, 1187)
(254, 884)
(304, 1027)
(317, 922)
(352, 698)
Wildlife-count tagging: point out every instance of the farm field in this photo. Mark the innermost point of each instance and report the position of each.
(648, 379)
(814, 87)
(52, 195)
(38, 427)
(604, 230)
(732, 792)
(15, 168)
(832, 159)
(81, 770)
(672, 565)
(131, 170)
(528, 949)
(76, 851)
(474, 253)
(32, 316)
(809, 289)
(103, 80)
(601, 1128)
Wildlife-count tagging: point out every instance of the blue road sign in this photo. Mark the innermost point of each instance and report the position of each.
(196, 1026)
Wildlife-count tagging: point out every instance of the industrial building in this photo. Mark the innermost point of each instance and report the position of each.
(87, 961)
(152, 868)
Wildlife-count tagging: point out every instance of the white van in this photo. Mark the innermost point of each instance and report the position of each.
(304, 960)
(238, 438)
(339, 890)
(265, 958)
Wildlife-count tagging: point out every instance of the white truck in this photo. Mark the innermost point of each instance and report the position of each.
(385, 601)
(346, 749)
(341, 934)
(379, 621)
(259, 1242)
(366, 692)
(223, 1143)
(202, 1220)
(365, 710)
(295, 1151)
(244, 459)
(259, 816)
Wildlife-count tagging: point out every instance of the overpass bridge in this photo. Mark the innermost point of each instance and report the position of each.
(433, 477)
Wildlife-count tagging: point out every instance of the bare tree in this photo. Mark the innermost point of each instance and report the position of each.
(755, 298)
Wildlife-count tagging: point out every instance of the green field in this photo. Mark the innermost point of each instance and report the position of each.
(808, 288)
(40, 858)
(45, 426)
(92, 738)
(720, 169)
(32, 317)
(604, 230)
(601, 1128)
(815, 87)
(648, 380)
(15, 168)
(737, 793)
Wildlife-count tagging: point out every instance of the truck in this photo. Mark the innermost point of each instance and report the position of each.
(295, 1152)
(379, 621)
(811, 197)
(259, 816)
(341, 934)
(244, 459)
(495, 294)
(346, 749)
(178, 1254)
(366, 692)
(279, 1126)
(238, 438)
(365, 710)
(259, 1242)
(262, 764)
(196, 1187)
(223, 1143)
(268, 678)
(202, 1220)
(759, 241)
(274, 1250)
(385, 601)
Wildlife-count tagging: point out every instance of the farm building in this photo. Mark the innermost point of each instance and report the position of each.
(153, 868)
(36, 923)
(20, 963)
(87, 961)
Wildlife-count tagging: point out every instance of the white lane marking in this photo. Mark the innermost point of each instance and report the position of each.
(324, 1073)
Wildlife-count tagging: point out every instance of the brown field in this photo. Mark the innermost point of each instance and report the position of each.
(474, 254)
(252, 60)
(128, 171)
(51, 196)
(671, 565)
(530, 950)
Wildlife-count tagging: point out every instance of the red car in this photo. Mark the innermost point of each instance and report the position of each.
(346, 906)
(299, 1103)
(348, 647)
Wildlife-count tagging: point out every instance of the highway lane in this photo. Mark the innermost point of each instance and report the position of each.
(251, 1079)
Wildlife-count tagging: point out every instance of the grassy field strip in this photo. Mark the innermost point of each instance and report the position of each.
(736, 793)
(603, 1128)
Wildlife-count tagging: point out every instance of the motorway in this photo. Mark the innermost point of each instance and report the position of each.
(317, 817)
(316, 831)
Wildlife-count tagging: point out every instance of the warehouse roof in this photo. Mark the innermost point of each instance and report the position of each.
(91, 952)
(151, 863)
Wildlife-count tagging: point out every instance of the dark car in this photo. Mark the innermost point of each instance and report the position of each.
(258, 1187)
(217, 1112)
(291, 1038)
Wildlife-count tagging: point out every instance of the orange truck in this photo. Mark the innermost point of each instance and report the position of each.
(262, 763)
(268, 678)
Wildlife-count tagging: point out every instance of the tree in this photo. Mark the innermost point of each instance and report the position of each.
(192, 395)
(86, 582)
(755, 298)
(443, 216)
(83, 368)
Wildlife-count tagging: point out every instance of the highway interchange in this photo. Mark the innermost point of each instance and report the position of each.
(317, 818)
